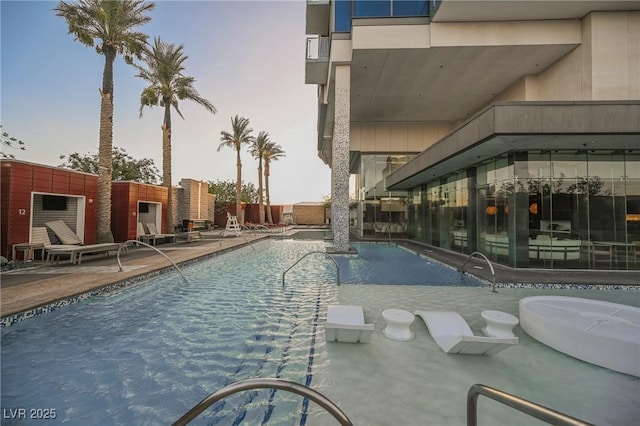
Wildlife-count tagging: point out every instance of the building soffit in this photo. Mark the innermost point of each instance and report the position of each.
(501, 10)
(449, 70)
(525, 126)
(442, 83)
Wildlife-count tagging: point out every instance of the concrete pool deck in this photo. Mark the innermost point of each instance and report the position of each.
(41, 284)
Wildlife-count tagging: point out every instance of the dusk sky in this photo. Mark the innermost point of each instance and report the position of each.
(247, 58)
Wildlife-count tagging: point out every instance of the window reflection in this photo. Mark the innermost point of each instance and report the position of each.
(561, 210)
(383, 212)
(347, 9)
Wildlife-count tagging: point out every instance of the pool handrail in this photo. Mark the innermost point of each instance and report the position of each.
(248, 242)
(150, 246)
(266, 383)
(493, 274)
(315, 252)
(538, 411)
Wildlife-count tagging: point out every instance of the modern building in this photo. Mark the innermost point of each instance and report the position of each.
(511, 128)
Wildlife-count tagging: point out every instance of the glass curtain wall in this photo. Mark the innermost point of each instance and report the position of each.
(384, 213)
(495, 187)
(347, 9)
(458, 216)
(416, 208)
(568, 210)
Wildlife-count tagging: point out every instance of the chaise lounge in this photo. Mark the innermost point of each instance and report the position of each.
(154, 231)
(72, 244)
(345, 323)
(40, 239)
(454, 336)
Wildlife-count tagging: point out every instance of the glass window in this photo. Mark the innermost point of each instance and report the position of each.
(371, 8)
(607, 193)
(410, 8)
(342, 16)
(632, 173)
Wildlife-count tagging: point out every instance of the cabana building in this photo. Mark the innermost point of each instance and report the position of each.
(34, 194)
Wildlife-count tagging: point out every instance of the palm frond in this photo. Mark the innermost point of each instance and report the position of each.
(258, 146)
(273, 152)
(108, 25)
(164, 67)
(241, 134)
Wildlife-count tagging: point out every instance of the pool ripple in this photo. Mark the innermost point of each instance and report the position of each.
(148, 354)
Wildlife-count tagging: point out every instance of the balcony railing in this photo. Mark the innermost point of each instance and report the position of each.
(317, 63)
(318, 48)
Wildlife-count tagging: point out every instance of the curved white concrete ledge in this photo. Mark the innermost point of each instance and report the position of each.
(602, 333)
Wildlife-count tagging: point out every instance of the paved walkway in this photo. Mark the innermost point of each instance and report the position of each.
(506, 274)
(40, 284)
(29, 288)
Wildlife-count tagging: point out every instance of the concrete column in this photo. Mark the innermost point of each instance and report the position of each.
(340, 159)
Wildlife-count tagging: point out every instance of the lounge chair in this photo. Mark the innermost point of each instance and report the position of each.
(345, 323)
(454, 336)
(75, 252)
(72, 244)
(63, 232)
(154, 231)
(145, 237)
(40, 239)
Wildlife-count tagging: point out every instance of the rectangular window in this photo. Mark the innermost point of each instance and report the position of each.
(410, 8)
(342, 16)
(143, 208)
(346, 9)
(371, 8)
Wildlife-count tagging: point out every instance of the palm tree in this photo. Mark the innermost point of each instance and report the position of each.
(257, 150)
(167, 86)
(109, 26)
(241, 135)
(272, 152)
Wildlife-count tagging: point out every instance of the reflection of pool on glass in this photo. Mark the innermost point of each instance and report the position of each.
(147, 354)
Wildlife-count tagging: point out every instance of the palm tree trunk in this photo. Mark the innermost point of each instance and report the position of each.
(239, 187)
(105, 150)
(266, 186)
(260, 197)
(166, 165)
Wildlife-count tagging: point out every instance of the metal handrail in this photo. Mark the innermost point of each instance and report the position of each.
(268, 383)
(317, 48)
(248, 242)
(493, 274)
(150, 246)
(531, 408)
(315, 252)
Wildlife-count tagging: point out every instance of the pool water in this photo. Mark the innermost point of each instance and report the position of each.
(146, 355)
(388, 264)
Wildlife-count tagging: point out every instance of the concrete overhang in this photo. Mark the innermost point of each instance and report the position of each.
(509, 10)
(525, 126)
(318, 12)
(315, 71)
(450, 70)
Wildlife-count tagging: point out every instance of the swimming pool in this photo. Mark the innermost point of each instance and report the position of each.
(396, 265)
(147, 354)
